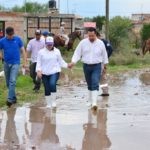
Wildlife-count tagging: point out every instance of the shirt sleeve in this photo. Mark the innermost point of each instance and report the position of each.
(77, 54)
(61, 61)
(38, 65)
(104, 55)
(20, 43)
(29, 47)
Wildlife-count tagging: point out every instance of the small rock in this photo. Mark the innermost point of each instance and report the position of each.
(107, 105)
(33, 147)
(136, 94)
(124, 114)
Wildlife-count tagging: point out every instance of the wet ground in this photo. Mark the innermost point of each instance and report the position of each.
(122, 121)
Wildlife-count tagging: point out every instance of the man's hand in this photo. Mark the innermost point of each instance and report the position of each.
(39, 74)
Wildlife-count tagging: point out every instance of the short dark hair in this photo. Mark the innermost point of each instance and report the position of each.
(9, 30)
(92, 29)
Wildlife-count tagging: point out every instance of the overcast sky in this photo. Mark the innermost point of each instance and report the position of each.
(94, 7)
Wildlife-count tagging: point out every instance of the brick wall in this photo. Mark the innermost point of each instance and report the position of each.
(16, 20)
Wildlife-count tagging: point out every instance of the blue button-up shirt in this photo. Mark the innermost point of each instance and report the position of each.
(11, 49)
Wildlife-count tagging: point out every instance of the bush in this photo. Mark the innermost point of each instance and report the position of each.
(120, 28)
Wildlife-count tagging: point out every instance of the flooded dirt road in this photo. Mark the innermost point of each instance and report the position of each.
(122, 121)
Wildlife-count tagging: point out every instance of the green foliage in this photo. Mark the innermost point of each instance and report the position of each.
(24, 91)
(145, 32)
(119, 30)
(100, 21)
(31, 7)
(1, 7)
(23, 81)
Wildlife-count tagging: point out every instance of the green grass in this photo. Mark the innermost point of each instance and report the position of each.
(23, 89)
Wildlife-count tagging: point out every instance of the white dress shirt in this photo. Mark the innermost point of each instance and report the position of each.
(90, 53)
(50, 62)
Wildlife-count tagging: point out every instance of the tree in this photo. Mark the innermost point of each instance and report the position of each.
(145, 32)
(100, 21)
(119, 30)
(31, 7)
(1, 7)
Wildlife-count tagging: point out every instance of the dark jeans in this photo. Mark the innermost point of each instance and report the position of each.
(33, 74)
(92, 75)
(11, 73)
(50, 82)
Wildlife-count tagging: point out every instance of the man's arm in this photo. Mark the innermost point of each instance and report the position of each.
(77, 54)
(24, 57)
(38, 66)
(1, 55)
(104, 54)
(28, 49)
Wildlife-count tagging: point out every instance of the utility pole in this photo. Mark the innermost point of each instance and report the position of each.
(107, 20)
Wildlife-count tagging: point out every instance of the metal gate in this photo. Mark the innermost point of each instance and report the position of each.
(51, 24)
(2, 29)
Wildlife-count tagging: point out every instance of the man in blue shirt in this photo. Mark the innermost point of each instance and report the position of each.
(10, 47)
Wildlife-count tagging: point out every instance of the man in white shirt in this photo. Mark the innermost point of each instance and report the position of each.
(32, 49)
(63, 33)
(92, 53)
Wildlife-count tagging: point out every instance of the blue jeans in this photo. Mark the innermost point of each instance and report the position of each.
(92, 75)
(50, 82)
(11, 73)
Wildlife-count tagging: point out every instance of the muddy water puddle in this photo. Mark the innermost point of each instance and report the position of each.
(122, 121)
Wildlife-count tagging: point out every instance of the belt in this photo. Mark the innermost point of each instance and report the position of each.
(92, 64)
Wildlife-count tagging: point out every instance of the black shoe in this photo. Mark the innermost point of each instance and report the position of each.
(9, 104)
(36, 88)
(104, 95)
(15, 100)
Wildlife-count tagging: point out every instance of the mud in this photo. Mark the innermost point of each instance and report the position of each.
(122, 121)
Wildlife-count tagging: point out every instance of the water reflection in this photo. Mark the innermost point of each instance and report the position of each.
(73, 125)
(43, 129)
(10, 136)
(95, 137)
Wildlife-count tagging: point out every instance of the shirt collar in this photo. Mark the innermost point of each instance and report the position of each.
(38, 40)
(93, 42)
(10, 39)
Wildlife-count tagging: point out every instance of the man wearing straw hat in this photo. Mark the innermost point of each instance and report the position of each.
(63, 33)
